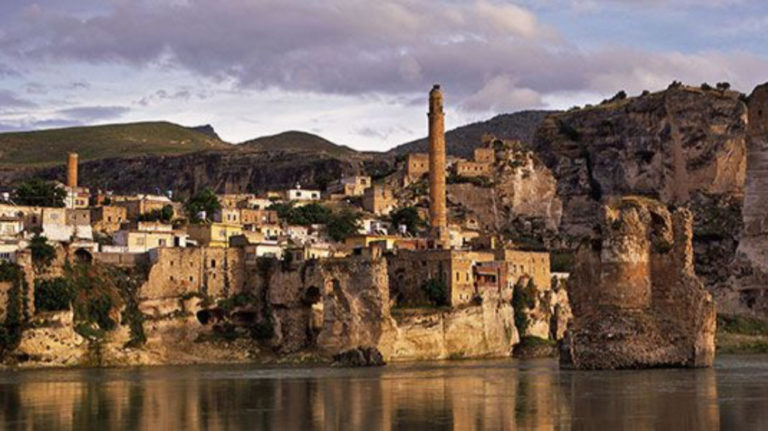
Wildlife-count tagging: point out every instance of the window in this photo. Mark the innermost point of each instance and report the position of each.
(191, 279)
(171, 278)
(161, 242)
(213, 263)
(109, 219)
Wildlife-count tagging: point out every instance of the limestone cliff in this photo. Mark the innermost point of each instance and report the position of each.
(635, 297)
(671, 145)
(521, 192)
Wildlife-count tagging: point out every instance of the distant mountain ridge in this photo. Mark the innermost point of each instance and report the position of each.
(296, 141)
(462, 141)
(46, 147)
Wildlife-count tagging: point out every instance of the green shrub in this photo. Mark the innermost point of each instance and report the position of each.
(436, 292)
(42, 252)
(55, 294)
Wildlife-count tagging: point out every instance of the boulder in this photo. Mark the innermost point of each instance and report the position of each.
(363, 356)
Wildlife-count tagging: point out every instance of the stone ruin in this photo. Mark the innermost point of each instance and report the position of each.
(636, 300)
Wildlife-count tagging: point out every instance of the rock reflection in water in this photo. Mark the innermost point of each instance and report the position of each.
(444, 396)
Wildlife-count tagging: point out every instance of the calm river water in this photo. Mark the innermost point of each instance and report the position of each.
(497, 395)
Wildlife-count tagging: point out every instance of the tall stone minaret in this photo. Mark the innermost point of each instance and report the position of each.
(72, 170)
(437, 215)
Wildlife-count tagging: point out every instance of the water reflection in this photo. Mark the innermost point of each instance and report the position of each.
(504, 395)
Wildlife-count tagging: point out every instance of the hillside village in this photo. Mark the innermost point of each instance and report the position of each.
(206, 261)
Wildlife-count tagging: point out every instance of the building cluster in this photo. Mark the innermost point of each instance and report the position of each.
(126, 229)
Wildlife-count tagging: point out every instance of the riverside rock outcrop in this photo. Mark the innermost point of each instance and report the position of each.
(636, 300)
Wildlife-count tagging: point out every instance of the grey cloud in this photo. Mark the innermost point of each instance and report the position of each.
(87, 114)
(488, 55)
(159, 95)
(10, 100)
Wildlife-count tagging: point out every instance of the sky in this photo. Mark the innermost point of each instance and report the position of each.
(356, 72)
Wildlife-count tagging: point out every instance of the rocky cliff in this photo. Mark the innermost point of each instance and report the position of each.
(229, 171)
(672, 145)
(217, 305)
(635, 297)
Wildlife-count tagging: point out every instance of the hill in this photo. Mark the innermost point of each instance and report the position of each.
(461, 141)
(294, 141)
(46, 147)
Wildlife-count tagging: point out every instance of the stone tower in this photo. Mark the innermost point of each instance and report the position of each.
(437, 215)
(72, 170)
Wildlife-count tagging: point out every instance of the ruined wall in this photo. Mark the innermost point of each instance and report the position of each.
(635, 297)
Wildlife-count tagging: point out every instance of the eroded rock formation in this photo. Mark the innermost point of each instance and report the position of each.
(635, 297)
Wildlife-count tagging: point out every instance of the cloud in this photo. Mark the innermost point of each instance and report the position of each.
(87, 114)
(10, 100)
(160, 95)
(489, 55)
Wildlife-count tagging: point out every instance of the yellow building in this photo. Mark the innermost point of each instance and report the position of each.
(213, 234)
(135, 241)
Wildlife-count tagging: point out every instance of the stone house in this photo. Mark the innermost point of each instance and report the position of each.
(416, 166)
(350, 186)
(258, 217)
(409, 271)
(108, 218)
(379, 200)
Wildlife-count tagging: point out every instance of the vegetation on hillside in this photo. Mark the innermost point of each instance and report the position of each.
(296, 141)
(45, 147)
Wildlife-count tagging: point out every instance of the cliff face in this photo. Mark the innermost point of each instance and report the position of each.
(671, 145)
(635, 297)
(744, 290)
(520, 198)
(229, 171)
(214, 305)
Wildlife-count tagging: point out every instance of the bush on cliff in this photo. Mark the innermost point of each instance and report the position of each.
(523, 299)
(16, 306)
(42, 252)
(55, 294)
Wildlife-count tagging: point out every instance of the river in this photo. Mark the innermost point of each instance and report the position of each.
(458, 395)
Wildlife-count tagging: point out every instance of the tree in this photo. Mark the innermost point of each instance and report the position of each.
(165, 215)
(42, 252)
(205, 200)
(342, 224)
(36, 192)
(723, 86)
(304, 215)
(408, 217)
(436, 291)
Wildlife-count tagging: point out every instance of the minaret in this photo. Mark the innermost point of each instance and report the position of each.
(72, 171)
(437, 217)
